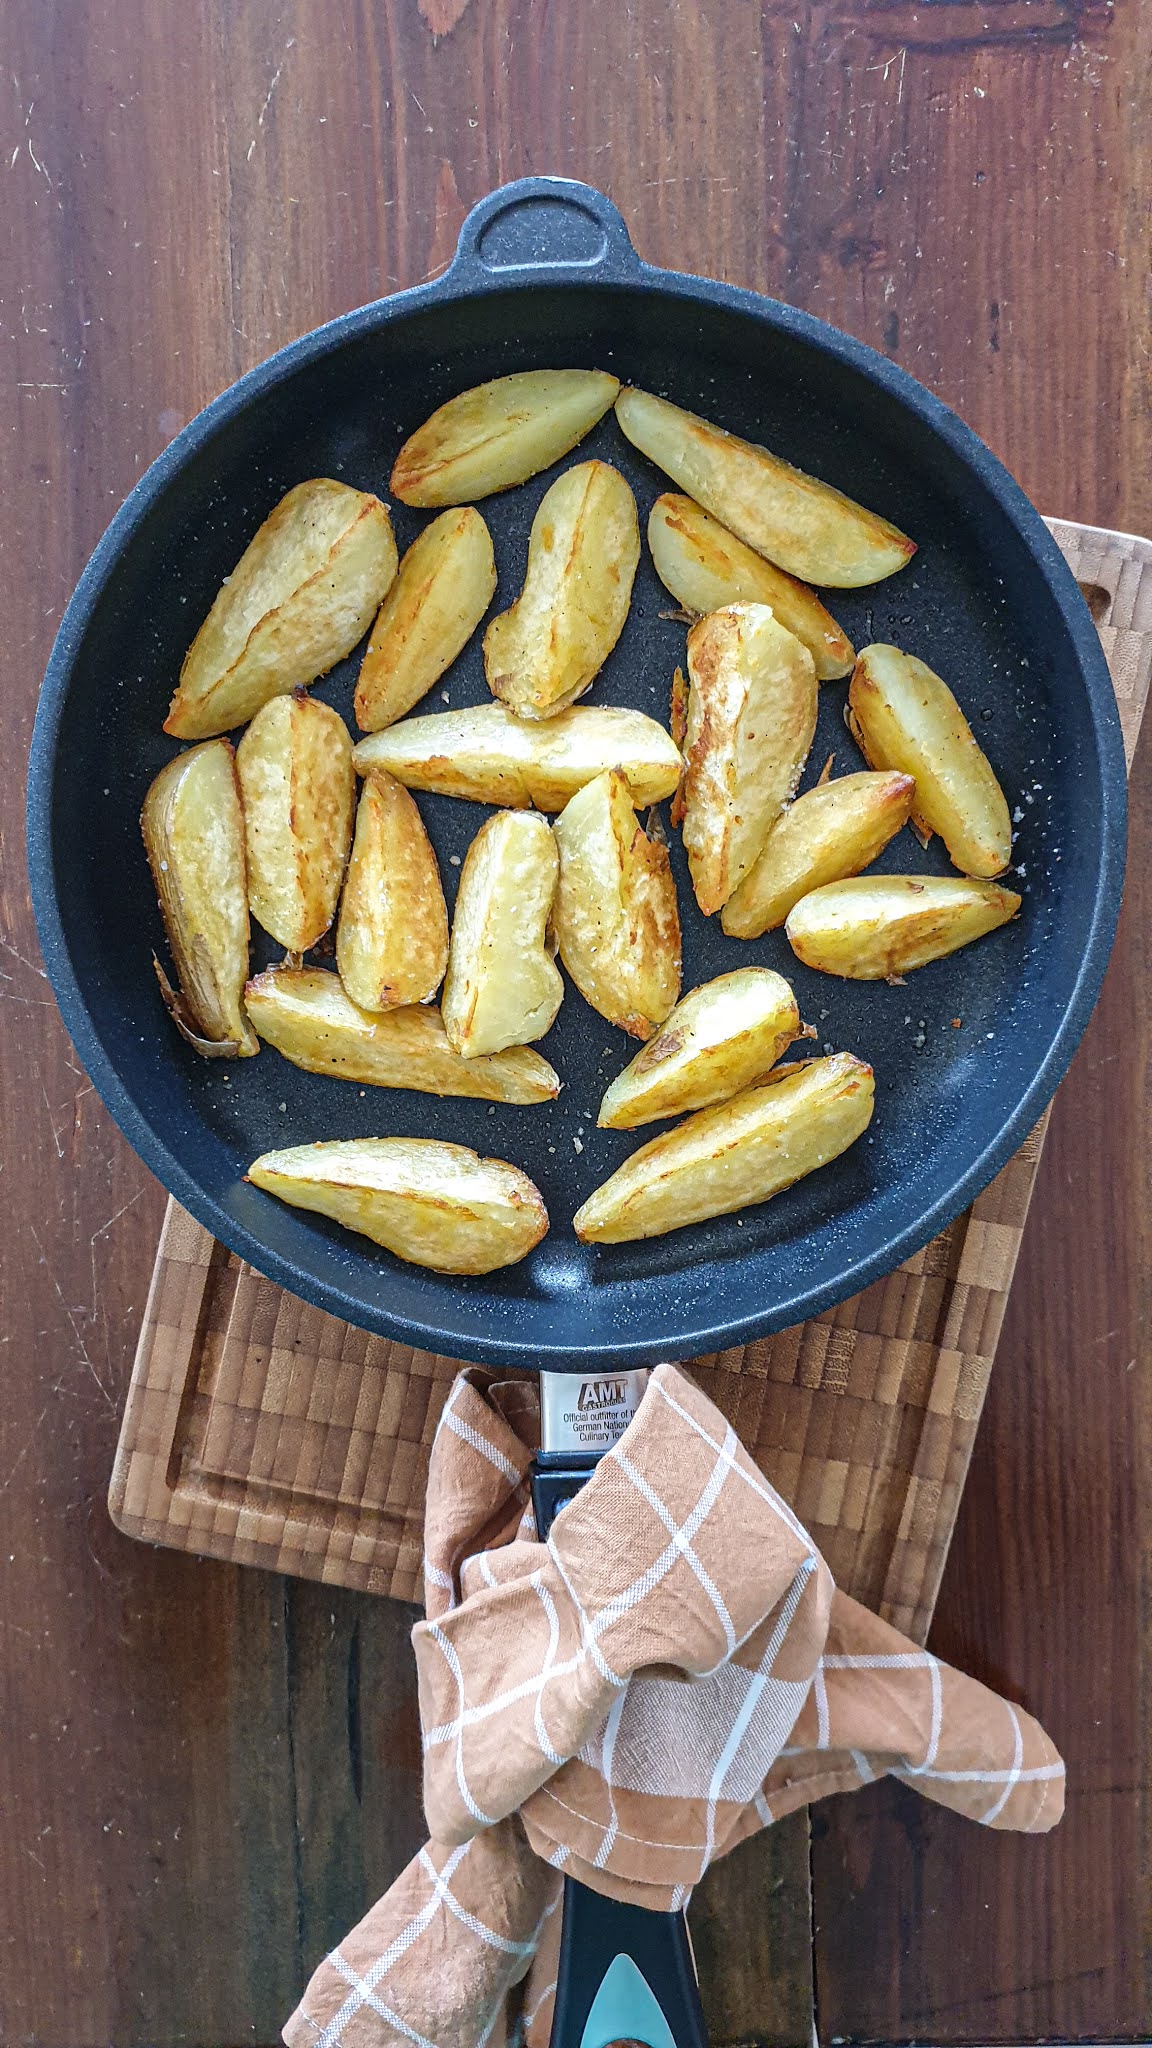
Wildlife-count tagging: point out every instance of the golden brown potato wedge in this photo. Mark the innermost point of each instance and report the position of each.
(298, 600)
(308, 1016)
(830, 832)
(392, 938)
(193, 827)
(549, 647)
(706, 567)
(718, 1040)
(294, 765)
(615, 913)
(879, 927)
(441, 593)
(193, 834)
(485, 752)
(433, 1204)
(741, 1152)
(806, 526)
(500, 434)
(902, 715)
(503, 986)
(751, 718)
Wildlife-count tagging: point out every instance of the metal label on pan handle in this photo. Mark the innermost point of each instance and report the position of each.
(588, 1412)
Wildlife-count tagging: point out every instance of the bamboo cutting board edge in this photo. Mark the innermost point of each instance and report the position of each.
(265, 1432)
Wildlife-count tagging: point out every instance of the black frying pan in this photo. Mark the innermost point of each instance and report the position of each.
(545, 275)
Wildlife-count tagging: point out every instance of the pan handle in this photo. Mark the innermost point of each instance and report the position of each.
(542, 225)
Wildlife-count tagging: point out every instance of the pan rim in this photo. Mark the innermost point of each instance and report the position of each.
(708, 1332)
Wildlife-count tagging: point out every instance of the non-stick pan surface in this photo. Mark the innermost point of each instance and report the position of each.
(966, 1054)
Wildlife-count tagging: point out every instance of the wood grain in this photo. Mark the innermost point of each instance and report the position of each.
(184, 189)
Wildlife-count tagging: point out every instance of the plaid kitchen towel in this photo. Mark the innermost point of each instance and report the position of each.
(671, 1671)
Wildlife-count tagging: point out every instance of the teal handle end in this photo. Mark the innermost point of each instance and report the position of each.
(624, 2009)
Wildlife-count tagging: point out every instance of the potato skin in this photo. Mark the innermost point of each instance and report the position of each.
(741, 1152)
(300, 597)
(549, 647)
(442, 590)
(502, 987)
(706, 568)
(805, 526)
(880, 926)
(392, 938)
(615, 914)
(486, 753)
(309, 1017)
(751, 719)
(499, 434)
(430, 1203)
(902, 715)
(830, 832)
(193, 827)
(298, 785)
(721, 1038)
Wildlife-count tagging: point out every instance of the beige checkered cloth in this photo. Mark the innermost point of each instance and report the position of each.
(671, 1671)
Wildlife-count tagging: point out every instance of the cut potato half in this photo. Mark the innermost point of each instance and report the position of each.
(488, 754)
(430, 1203)
(751, 719)
(302, 594)
(499, 434)
(727, 1158)
(442, 590)
(805, 526)
(902, 715)
(706, 567)
(392, 938)
(718, 1040)
(615, 914)
(879, 927)
(503, 987)
(298, 785)
(549, 647)
(830, 832)
(308, 1016)
(193, 827)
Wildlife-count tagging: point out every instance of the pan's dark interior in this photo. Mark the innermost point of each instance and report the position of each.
(956, 1051)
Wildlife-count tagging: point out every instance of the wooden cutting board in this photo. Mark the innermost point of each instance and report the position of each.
(261, 1430)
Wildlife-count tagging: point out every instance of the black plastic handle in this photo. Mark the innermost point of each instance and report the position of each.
(537, 223)
(626, 1974)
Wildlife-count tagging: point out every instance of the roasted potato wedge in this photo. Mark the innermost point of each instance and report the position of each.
(433, 1204)
(503, 986)
(741, 1152)
(881, 926)
(193, 826)
(706, 567)
(830, 832)
(549, 647)
(902, 715)
(486, 753)
(499, 434)
(294, 765)
(615, 914)
(392, 938)
(442, 590)
(805, 526)
(308, 1016)
(718, 1040)
(303, 592)
(751, 718)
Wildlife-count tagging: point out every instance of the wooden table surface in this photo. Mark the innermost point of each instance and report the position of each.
(206, 1772)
